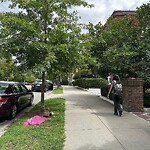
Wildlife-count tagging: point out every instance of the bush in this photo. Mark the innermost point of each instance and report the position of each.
(64, 82)
(90, 82)
(147, 99)
(146, 85)
(104, 91)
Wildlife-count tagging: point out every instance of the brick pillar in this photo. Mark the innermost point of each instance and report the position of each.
(133, 95)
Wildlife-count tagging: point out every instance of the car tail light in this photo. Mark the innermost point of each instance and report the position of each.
(3, 100)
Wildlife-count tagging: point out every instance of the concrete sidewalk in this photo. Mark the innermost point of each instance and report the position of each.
(91, 125)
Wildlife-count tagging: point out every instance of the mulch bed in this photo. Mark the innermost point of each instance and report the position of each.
(143, 115)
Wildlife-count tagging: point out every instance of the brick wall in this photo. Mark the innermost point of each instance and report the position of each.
(122, 14)
(133, 95)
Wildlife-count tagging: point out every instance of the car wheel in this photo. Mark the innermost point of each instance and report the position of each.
(13, 111)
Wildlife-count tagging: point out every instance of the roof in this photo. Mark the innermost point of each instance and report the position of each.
(123, 13)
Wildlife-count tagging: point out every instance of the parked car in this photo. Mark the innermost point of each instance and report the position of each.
(50, 84)
(14, 96)
(37, 85)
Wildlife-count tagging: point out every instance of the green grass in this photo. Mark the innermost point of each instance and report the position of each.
(58, 90)
(47, 136)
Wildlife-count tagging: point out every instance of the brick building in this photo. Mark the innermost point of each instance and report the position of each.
(118, 14)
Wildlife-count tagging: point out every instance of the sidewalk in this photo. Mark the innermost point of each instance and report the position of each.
(91, 125)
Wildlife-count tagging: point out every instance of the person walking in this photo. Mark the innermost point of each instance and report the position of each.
(116, 89)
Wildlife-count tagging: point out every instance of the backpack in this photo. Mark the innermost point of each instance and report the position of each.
(118, 88)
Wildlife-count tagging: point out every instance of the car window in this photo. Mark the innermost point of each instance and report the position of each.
(23, 89)
(3, 88)
(16, 89)
(9, 88)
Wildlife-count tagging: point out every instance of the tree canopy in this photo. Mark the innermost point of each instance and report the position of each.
(42, 29)
(122, 47)
(43, 34)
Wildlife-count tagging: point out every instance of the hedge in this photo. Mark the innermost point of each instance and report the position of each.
(147, 99)
(90, 83)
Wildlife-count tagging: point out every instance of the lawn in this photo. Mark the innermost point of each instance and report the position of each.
(58, 90)
(47, 136)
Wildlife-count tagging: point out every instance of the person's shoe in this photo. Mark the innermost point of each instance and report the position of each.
(116, 114)
(120, 113)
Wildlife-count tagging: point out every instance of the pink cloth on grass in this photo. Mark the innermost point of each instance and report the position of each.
(36, 120)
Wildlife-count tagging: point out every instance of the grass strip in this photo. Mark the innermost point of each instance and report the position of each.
(47, 136)
(58, 90)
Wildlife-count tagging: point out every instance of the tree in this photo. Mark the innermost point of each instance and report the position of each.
(43, 29)
(98, 46)
(113, 45)
(128, 49)
(97, 41)
(121, 37)
(143, 57)
(7, 69)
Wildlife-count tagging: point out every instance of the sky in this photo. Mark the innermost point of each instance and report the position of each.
(101, 11)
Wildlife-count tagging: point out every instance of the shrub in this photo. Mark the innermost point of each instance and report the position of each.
(147, 99)
(104, 91)
(64, 82)
(90, 82)
(146, 85)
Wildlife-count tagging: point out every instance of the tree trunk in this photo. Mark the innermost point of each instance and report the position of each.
(42, 91)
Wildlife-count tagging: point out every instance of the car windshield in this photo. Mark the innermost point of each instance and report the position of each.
(6, 88)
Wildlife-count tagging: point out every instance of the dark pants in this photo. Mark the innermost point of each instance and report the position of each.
(117, 107)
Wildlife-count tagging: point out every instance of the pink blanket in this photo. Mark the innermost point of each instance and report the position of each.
(36, 120)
